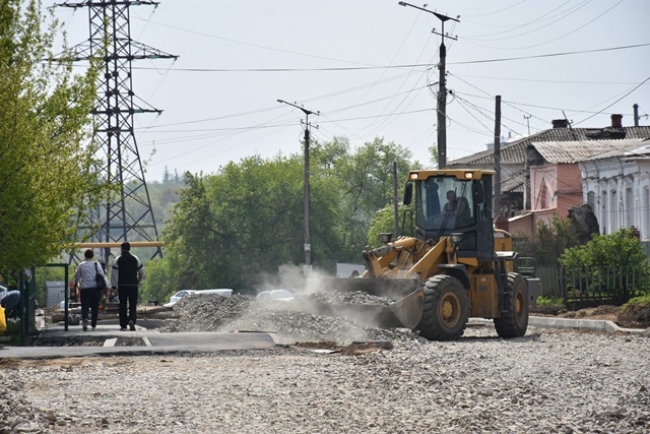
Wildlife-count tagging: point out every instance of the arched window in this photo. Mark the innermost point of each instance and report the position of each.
(543, 193)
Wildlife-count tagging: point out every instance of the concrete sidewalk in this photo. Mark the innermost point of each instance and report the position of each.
(109, 340)
(583, 324)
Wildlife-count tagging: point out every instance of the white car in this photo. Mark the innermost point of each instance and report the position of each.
(179, 296)
(193, 292)
(275, 295)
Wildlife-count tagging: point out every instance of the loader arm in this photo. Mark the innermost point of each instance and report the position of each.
(378, 260)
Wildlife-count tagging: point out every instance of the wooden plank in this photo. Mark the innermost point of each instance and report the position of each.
(118, 244)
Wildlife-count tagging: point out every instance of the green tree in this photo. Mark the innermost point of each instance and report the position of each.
(230, 228)
(166, 175)
(248, 219)
(365, 186)
(384, 222)
(433, 153)
(44, 122)
(549, 243)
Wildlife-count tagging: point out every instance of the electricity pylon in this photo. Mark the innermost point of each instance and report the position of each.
(126, 216)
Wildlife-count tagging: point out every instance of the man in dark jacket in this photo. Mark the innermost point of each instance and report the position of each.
(11, 303)
(126, 275)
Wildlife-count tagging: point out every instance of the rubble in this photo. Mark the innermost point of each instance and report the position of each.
(290, 321)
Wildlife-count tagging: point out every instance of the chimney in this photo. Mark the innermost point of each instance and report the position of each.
(617, 121)
(560, 123)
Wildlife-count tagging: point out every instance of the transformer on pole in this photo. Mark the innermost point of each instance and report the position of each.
(126, 216)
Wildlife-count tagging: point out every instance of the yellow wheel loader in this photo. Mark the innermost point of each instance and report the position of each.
(455, 267)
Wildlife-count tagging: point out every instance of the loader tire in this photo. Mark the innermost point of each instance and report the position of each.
(514, 322)
(446, 309)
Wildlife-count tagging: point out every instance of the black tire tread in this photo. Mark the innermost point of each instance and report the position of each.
(507, 326)
(430, 326)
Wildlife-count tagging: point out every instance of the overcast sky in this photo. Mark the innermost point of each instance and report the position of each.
(353, 62)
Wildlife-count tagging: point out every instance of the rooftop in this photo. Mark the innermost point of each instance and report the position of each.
(515, 152)
(576, 151)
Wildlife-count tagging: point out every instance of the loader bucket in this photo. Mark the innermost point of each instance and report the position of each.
(394, 289)
(402, 305)
(408, 310)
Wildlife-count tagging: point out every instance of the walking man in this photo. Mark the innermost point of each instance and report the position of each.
(127, 273)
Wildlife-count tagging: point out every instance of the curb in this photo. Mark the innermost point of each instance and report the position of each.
(584, 324)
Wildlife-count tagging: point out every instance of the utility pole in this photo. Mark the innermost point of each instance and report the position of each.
(442, 82)
(307, 246)
(128, 215)
(497, 157)
(528, 122)
(636, 114)
(395, 202)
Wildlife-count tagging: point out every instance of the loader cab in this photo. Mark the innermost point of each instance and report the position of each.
(458, 202)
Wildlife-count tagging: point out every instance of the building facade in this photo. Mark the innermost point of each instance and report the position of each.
(617, 186)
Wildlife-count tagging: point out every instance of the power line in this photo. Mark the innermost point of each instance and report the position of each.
(562, 15)
(631, 90)
(539, 80)
(494, 12)
(541, 56)
(559, 37)
(416, 65)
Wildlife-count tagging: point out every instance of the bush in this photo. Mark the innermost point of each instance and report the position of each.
(615, 251)
(613, 264)
(12, 332)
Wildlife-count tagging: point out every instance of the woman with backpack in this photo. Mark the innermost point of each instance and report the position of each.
(91, 280)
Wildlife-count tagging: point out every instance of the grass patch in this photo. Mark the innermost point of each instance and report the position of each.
(643, 300)
(548, 301)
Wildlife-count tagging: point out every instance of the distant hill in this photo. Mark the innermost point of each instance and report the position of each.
(164, 195)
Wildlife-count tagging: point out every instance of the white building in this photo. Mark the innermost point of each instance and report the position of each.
(617, 186)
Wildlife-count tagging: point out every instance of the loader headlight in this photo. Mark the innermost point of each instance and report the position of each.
(385, 238)
(456, 237)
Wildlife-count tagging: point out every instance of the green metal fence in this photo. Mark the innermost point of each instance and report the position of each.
(595, 285)
(605, 285)
(42, 289)
(50, 292)
(551, 283)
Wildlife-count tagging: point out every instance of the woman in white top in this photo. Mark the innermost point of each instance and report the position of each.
(86, 278)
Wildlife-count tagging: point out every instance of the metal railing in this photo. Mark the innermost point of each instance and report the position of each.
(594, 286)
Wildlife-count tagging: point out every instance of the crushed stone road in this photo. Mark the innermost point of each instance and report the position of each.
(548, 381)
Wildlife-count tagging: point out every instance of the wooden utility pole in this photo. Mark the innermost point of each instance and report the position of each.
(442, 83)
(395, 203)
(497, 157)
(307, 245)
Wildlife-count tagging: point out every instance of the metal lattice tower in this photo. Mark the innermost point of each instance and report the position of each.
(127, 216)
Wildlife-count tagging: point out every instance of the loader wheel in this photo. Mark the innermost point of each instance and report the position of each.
(514, 322)
(445, 309)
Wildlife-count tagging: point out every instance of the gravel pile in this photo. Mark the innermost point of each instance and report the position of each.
(341, 297)
(291, 322)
